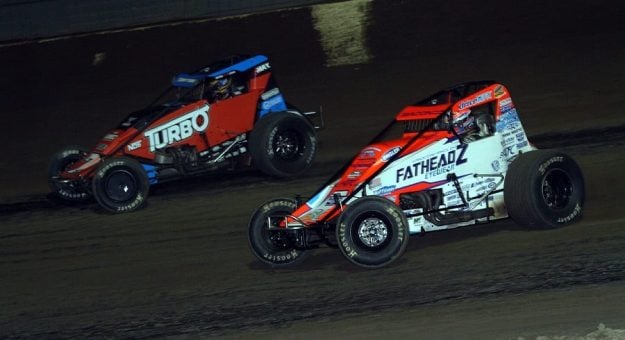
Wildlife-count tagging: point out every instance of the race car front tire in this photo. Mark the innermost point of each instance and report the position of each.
(544, 189)
(372, 232)
(269, 244)
(283, 144)
(67, 192)
(120, 185)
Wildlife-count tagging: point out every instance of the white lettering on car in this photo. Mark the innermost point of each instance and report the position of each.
(178, 129)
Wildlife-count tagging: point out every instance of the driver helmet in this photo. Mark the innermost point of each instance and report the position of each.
(220, 88)
(463, 121)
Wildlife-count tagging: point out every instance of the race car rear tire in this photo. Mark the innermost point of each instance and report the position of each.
(372, 232)
(120, 185)
(283, 144)
(274, 247)
(544, 189)
(67, 192)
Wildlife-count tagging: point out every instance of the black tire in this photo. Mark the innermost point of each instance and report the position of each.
(544, 189)
(283, 144)
(67, 192)
(120, 185)
(372, 232)
(274, 247)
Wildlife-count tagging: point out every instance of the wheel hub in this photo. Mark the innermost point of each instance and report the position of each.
(120, 186)
(286, 145)
(557, 189)
(372, 232)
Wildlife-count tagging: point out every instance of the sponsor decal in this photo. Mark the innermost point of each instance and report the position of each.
(262, 68)
(522, 145)
(509, 120)
(385, 190)
(271, 102)
(477, 100)
(390, 153)
(183, 81)
(496, 166)
(508, 152)
(454, 197)
(178, 129)
(111, 136)
(273, 92)
(480, 190)
(134, 145)
(376, 182)
(507, 106)
(435, 165)
(512, 125)
(363, 164)
(354, 175)
(505, 102)
(369, 152)
(499, 91)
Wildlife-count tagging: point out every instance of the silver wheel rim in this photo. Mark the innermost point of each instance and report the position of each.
(372, 232)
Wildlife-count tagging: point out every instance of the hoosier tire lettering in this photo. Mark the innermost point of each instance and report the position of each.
(542, 168)
(544, 189)
(282, 258)
(272, 244)
(120, 185)
(75, 192)
(576, 212)
(349, 252)
(372, 232)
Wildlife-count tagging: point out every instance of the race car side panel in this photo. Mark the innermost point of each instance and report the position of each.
(185, 126)
(428, 169)
(230, 118)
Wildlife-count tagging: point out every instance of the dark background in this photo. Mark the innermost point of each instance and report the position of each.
(181, 266)
(52, 94)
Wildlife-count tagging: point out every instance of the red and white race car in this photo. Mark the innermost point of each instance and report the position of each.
(456, 158)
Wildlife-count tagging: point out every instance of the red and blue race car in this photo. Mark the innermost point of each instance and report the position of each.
(457, 158)
(227, 114)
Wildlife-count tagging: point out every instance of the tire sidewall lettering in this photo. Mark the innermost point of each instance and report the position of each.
(136, 202)
(259, 243)
(546, 165)
(270, 139)
(348, 250)
(60, 162)
(564, 215)
(373, 257)
(290, 256)
(577, 211)
(135, 170)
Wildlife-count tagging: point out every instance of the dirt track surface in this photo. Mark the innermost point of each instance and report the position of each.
(182, 267)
